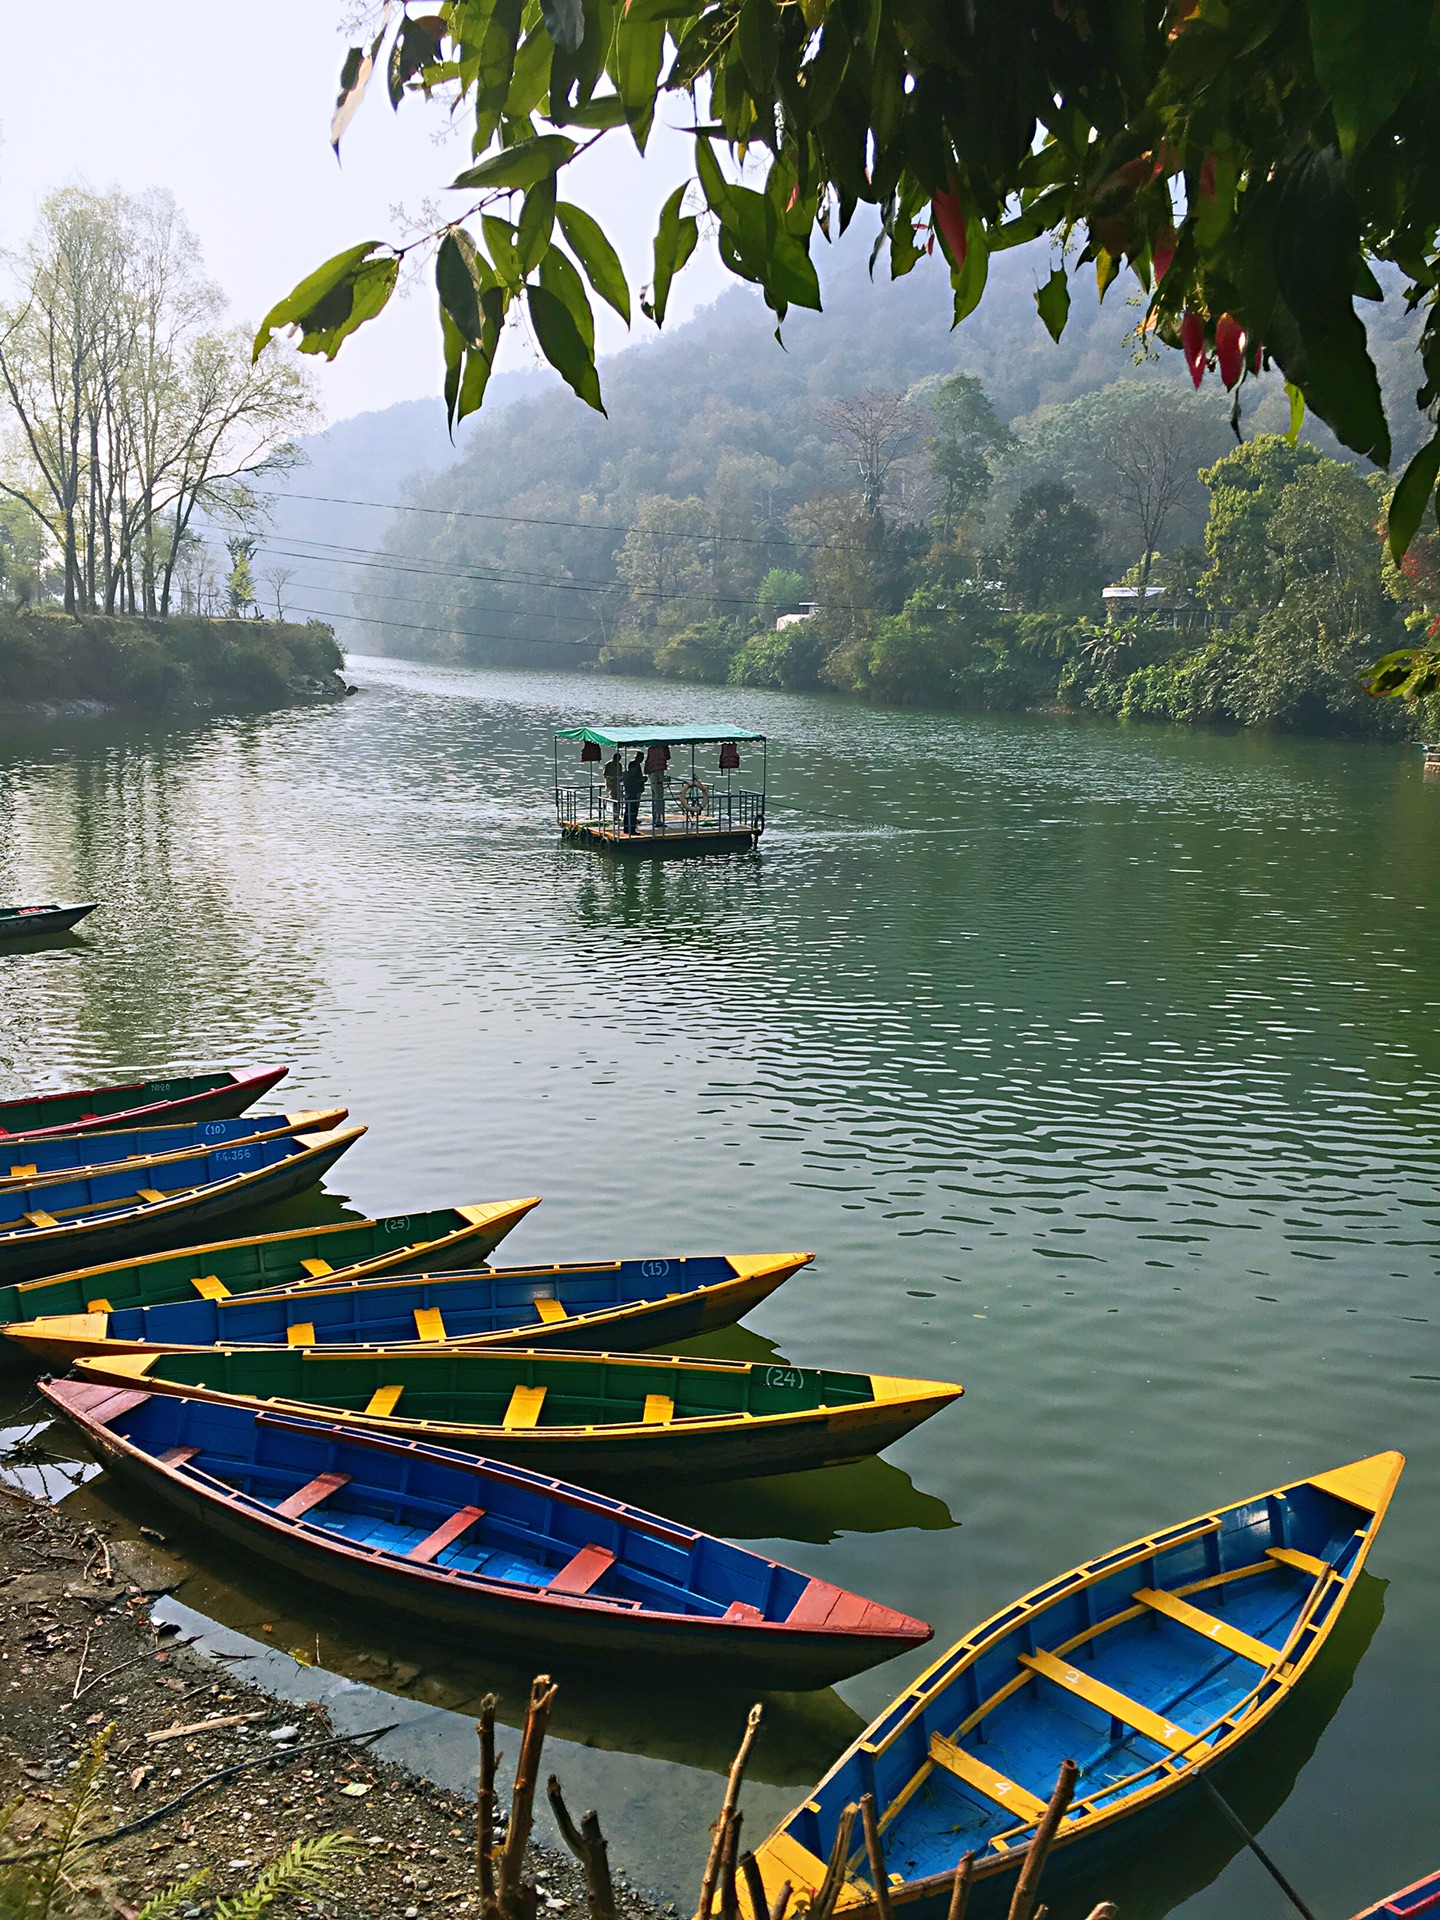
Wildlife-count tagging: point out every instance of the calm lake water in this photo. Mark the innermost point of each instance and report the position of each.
(1099, 1067)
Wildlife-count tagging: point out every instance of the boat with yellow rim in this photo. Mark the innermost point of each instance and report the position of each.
(597, 1417)
(609, 1305)
(435, 1239)
(1147, 1667)
(134, 1147)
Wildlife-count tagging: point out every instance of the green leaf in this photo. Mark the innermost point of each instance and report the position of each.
(354, 78)
(1053, 301)
(602, 265)
(1297, 412)
(1367, 57)
(564, 22)
(969, 283)
(712, 181)
(607, 111)
(675, 239)
(519, 166)
(500, 244)
(639, 49)
(458, 282)
(562, 344)
(558, 276)
(329, 304)
(1412, 496)
(417, 45)
(537, 222)
(530, 79)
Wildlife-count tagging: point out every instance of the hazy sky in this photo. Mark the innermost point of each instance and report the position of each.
(227, 103)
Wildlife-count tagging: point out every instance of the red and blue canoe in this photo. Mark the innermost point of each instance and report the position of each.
(137, 1103)
(478, 1549)
(1421, 1896)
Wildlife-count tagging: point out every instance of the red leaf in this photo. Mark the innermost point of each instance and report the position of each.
(1230, 348)
(950, 219)
(1162, 252)
(1207, 177)
(1192, 345)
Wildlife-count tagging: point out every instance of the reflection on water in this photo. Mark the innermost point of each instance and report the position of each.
(1099, 1065)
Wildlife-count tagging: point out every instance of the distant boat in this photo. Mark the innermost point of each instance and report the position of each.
(478, 1550)
(432, 1240)
(620, 1305)
(193, 1096)
(28, 923)
(102, 1152)
(1421, 1896)
(1147, 1666)
(600, 1417)
(47, 1226)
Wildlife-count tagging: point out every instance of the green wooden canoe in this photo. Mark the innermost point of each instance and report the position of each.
(137, 1103)
(440, 1240)
(601, 1416)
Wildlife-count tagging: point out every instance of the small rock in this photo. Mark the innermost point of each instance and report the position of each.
(403, 1673)
(282, 1736)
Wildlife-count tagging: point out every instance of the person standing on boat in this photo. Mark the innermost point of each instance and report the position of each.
(615, 781)
(634, 790)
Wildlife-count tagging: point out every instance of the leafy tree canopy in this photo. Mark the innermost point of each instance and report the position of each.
(1050, 554)
(1246, 158)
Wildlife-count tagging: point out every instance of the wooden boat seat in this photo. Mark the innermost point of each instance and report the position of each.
(580, 1573)
(1220, 1631)
(22, 1173)
(428, 1324)
(1006, 1793)
(446, 1534)
(39, 1218)
(311, 1494)
(152, 1194)
(177, 1456)
(740, 1613)
(659, 1410)
(550, 1312)
(210, 1286)
(317, 1269)
(524, 1407)
(1301, 1562)
(383, 1401)
(300, 1334)
(1119, 1706)
(98, 1306)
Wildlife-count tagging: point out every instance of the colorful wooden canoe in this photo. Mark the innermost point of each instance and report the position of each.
(47, 1226)
(103, 1152)
(437, 1239)
(1145, 1666)
(28, 923)
(616, 1306)
(477, 1548)
(1421, 1896)
(194, 1096)
(600, 1417)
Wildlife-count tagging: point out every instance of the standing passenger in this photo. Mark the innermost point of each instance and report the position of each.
(634, 788)
(615, 781)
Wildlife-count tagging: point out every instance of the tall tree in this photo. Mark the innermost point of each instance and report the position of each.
(967, 437)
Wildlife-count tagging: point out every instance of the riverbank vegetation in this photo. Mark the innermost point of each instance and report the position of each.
(52, 659)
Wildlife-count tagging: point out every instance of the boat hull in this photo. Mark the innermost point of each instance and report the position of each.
(604, 1420)
(1421, 1896)
(144, 1103)
(581, 1626)
(29, 923)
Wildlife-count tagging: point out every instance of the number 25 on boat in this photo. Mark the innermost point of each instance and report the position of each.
(1144, 1666)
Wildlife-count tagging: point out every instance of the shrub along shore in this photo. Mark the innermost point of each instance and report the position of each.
(51, 661)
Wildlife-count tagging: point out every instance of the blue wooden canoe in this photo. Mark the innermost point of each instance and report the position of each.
(1144, 1666)
(619, 1305)
(47, 1226)
(137, 1103)
(96, 1152)
(478, 1549)
(1421, 1896)
(28, 923)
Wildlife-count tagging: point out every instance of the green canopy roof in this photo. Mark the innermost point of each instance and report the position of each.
(656, 736)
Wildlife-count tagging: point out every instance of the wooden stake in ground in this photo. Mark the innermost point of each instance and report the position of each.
(729, 1891)
(587, 1843)
(722, 1824)
(1027, 1887)
(755, 1887)
(875, 1854)
(517, 1902)
(960, 1890)
(485, 1807)
(828, 1892)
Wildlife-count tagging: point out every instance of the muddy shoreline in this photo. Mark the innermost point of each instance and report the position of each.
(82, 1651)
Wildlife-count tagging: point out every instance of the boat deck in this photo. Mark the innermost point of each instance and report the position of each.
(673, 838)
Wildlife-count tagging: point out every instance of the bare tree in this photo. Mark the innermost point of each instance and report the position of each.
(278, 580)
(1150, 453)
(875, 429)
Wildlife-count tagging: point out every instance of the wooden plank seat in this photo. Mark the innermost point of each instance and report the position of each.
(428, 1324)
(1119, 1706)
(1301, 1562)
(152, 1194)
(39, 1218)
(98, 1306)
(524, 1407)
(23, 1173)
(580, 1573)
(1220, 1631)
(177, 1456)
(659, 1410)
(210, 1286)
(300, 1334)
(551, 1311)
(1004, 1792)
(741, 1613)
(446, 1534)
(317, 1269)
(383, 1401)
(311, 1494)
